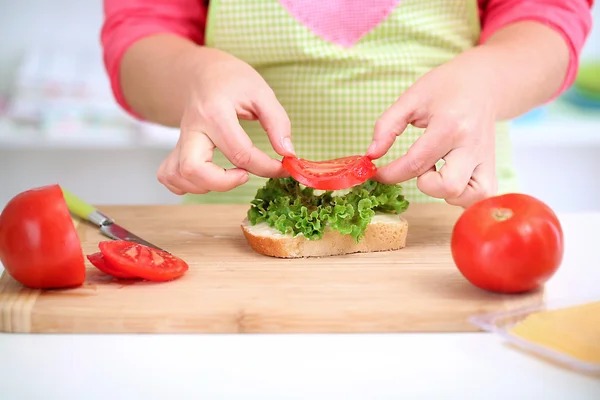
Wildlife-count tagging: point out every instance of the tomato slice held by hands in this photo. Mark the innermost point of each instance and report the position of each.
(142, 261)
(336, 174)
(98, 261)
(510, 243)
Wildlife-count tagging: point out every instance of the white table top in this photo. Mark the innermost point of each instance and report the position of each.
(390, 366)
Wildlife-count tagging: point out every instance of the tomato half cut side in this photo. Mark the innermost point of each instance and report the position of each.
(336, 174)
(142, 261)
(99, 261)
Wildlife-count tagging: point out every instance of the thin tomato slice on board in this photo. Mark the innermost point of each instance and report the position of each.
(142, 261)
(99, 261)
(336, 174)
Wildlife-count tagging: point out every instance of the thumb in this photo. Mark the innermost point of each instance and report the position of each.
(276, 123)
(391, 124)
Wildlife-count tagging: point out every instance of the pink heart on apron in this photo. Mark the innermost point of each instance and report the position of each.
(343, 22)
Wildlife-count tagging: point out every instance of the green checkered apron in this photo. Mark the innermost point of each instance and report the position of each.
(333, 94)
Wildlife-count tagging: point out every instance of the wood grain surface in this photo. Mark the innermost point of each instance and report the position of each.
(231, 289)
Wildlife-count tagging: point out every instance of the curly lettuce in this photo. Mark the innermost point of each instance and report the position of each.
(293, 209)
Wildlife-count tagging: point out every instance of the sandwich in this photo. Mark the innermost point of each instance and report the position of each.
(324, 209)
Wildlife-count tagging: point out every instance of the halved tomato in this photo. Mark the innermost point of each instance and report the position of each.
(39, 245)
(98, 261)
(142, 261)
(336, 174)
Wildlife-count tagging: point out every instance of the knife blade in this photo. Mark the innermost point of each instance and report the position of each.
(108, 226)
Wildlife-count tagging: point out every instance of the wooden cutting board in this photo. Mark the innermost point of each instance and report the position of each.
(231, 289)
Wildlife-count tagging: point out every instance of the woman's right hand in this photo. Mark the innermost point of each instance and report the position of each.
(224, 90)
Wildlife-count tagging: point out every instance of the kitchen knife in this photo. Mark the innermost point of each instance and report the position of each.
(107, 225)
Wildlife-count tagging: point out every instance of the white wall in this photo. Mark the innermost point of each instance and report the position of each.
(45, 23)
(127, 175)
(99, 175)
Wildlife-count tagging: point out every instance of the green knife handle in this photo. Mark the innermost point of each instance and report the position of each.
(84, 210)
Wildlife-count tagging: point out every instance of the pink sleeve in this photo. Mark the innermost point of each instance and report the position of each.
(126, 21)
(571, 18)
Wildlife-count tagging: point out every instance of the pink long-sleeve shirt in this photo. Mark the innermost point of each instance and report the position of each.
(127, 21)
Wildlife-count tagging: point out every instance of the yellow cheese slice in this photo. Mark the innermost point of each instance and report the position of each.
(573, 331)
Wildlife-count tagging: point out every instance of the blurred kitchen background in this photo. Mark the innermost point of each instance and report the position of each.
(60, 124)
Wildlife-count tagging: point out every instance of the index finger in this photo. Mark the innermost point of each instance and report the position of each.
(227, 134)
(424, 153)
(392, 123)
(275, 121)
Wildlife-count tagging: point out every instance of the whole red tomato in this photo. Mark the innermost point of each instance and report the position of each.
(508, 243)
(39, 246)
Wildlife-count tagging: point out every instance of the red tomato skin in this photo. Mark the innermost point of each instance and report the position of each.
(39, 246)
(515, 255)
(337, 174)
(99, 261)
(138, 260)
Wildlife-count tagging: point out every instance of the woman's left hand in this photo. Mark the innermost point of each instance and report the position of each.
(453, 103)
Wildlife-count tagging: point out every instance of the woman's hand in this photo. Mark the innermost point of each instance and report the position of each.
(222, 90)
(455, 109)
(521, 66)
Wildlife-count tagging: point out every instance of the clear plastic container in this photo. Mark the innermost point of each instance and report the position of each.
(501, 324)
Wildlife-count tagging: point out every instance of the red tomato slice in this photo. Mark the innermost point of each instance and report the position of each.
(39, 245)
(142, 261)
(336, 174)
(99, 261)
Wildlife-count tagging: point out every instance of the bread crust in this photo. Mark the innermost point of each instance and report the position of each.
(379, 236)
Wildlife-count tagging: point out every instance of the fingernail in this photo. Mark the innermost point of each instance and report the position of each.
(244, 178)
(372, 148)
(286, 142)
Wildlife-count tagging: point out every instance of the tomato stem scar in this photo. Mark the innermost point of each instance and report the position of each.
(502, 214)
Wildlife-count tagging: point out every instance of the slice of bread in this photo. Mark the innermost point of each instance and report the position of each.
(384, 233)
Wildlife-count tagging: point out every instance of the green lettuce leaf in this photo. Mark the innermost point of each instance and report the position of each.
(293, 209)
